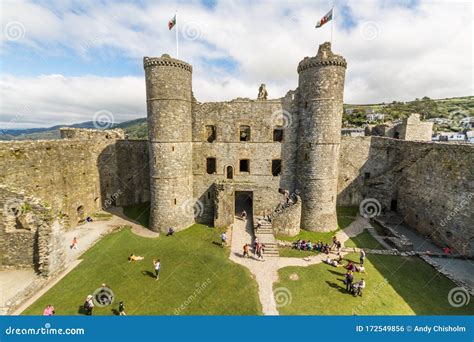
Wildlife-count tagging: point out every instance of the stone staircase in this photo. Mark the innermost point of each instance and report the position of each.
(264, 233)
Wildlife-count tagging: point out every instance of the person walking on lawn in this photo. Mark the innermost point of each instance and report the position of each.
(157, 266)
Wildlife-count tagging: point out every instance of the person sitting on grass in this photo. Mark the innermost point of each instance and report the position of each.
(360, 269)
(331, 262)
(170, 231)
(49, 311)
(309, 246)
(134, 257)
(89, 305)
(318, 246)
(303, 245)
(326, 249)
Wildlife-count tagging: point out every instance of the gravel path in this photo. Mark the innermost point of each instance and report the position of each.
(266, 272)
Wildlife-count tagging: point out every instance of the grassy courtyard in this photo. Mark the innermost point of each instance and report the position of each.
(345, 216)
(196, 277)
(395, 286)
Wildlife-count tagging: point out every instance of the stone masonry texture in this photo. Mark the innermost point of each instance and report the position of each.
(195, 162)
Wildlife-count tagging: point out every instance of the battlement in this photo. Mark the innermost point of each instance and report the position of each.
(324, 57)
(87, 134)
(166, 60)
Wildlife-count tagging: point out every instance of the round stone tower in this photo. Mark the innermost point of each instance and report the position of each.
(169, 96)
(320, 97)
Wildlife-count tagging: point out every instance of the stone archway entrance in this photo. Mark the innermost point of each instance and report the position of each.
(243, 201)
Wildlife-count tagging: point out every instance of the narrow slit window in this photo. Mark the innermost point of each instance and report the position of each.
(276, 167)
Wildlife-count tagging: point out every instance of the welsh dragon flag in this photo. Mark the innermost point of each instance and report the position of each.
(324, 19)
(172, 22)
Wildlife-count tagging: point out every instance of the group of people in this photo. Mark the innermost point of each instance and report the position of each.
(352, 287)
(258, 250)
(304, 245)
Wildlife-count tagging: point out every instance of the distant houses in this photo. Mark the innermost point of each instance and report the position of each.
(454, 137)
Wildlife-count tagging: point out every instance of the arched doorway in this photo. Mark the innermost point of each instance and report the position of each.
(230, 172)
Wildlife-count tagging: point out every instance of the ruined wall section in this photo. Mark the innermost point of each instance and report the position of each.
(263, 117)
(287, 221)
(431, 184)
(31, 235)
(74, 176)
(133, 172)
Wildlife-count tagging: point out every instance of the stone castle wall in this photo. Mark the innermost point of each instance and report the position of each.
(31, 235)
(430, 184)
(262, 117)
(77, 172)
(169, 101)
(287, 221)
(320, 94)
(133, 172)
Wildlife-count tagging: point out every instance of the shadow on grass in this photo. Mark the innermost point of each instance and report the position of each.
(336, 286)
(115, 312)
(336, 273)
(148, 273)
(81, 310)
(217, 243)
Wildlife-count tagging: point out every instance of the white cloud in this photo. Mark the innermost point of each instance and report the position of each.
(393, 52)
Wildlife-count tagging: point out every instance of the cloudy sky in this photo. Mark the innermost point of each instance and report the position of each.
(64, 61)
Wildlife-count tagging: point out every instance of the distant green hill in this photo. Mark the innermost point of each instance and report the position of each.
(454, 109)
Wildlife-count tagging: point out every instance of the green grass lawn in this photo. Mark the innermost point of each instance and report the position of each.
(197, 278)
(345, 216)
(294, 253)
(363, 240)
(411, 287)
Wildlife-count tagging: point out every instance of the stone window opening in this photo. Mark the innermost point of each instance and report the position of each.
(306, 157)
(276, 167)
(175, 201)
(210, 166)
(305, 104)
(278, 134)
(230, 172)
(210, 133)
(366, 175)
(244, 133)
(244, 165)
(208, 195)
(80, 212)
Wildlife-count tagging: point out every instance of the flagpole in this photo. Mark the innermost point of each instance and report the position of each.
(332, 22)
(177, 45)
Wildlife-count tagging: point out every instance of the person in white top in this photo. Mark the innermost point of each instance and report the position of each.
(157, 266)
